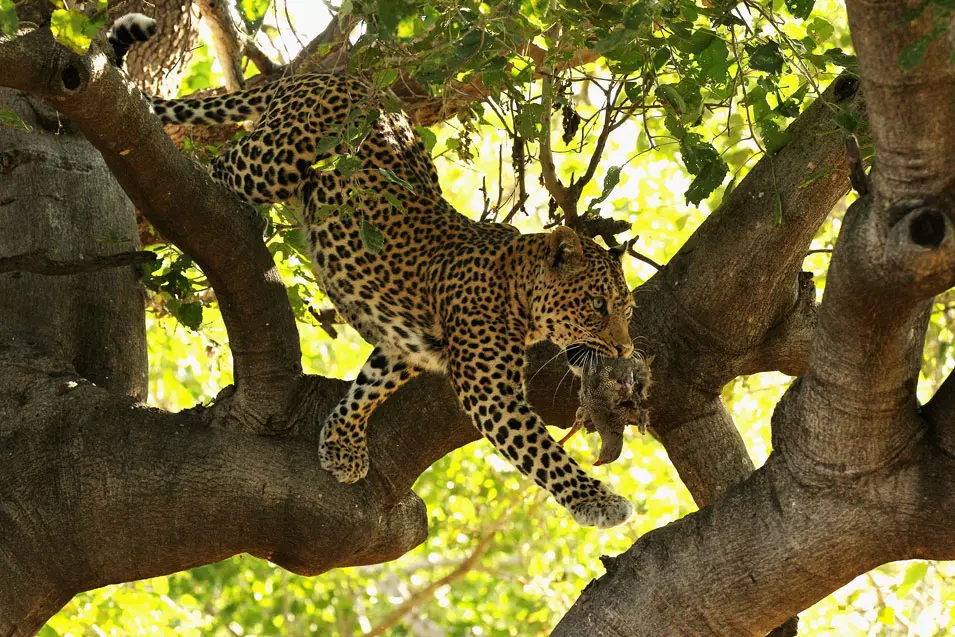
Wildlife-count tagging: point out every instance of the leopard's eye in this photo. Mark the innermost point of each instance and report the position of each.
(599, 303)
(628, 312)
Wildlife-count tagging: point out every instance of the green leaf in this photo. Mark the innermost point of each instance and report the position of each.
(708, 180)
(618, 38)
(800, 8)
(847, 121)
(535, 11)
(347, 165)
(714, 61)
(390, 198)
(661, 57)
(9, 22)
(427, 137)
(913, 53)
(189, 314)
(395, 179)
(294, 238)
(326, 144)
(12, 120)
(371, 236)
(670, 94)
(326, 164)
(686, 99)
(914, 574)
(528, 120)
(75, 30)
(696, 153)
(611, 179)
(887, 615)
(324, 212)
(756, 99)
(819, 29)
(253, 13)
(774, 139)
(767, 58)
(384, 78)
(840, 58)
(635, 15)
(634, 91)
(696, 43)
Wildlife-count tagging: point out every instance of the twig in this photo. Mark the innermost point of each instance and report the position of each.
(577, 187)
(460, 571)
(554, 186)
(226, 41)
(38, 263)
(259, 59)
(328, 51)
(641, 257)
(463, 568)
(857, 176)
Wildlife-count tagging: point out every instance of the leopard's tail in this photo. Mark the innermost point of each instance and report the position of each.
(127, 31)
(231, 108)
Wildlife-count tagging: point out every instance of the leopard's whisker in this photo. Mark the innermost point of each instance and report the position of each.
(557, 389)
(545, 364)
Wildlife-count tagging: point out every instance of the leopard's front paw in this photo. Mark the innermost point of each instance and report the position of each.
(604, 510)
(347, 462)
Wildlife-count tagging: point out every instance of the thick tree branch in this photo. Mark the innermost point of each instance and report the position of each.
(940, 413)
(854, 481)
(773, 255)
(226, 40)
(38, 263)
(688, 314)
(768, 550)
(911, 110)
(187, 483)
(205, 220)
(895, 251)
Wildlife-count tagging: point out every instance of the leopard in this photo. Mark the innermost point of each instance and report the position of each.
(441, 292)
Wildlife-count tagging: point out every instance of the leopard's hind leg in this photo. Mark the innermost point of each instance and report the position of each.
(343, 446)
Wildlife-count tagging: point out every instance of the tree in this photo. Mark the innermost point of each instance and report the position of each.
(98, 488)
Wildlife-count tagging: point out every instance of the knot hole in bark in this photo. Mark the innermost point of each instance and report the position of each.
(927, 227)
(71, 78)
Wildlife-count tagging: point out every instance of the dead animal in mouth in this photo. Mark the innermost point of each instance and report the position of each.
(611, 396)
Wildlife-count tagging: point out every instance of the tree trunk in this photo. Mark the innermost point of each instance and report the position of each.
(61, 201)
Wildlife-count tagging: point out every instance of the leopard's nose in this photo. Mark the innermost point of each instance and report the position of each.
(624, 350)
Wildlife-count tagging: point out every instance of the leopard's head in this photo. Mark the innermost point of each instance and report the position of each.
(581, 299)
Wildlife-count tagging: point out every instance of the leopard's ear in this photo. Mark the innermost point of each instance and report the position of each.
(565, 254)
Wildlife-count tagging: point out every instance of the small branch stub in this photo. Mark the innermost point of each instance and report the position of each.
(38, 263)
(857, 176)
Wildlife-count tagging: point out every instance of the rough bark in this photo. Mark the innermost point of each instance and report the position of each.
(221, 481)
(158, 65)
(58, 199)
